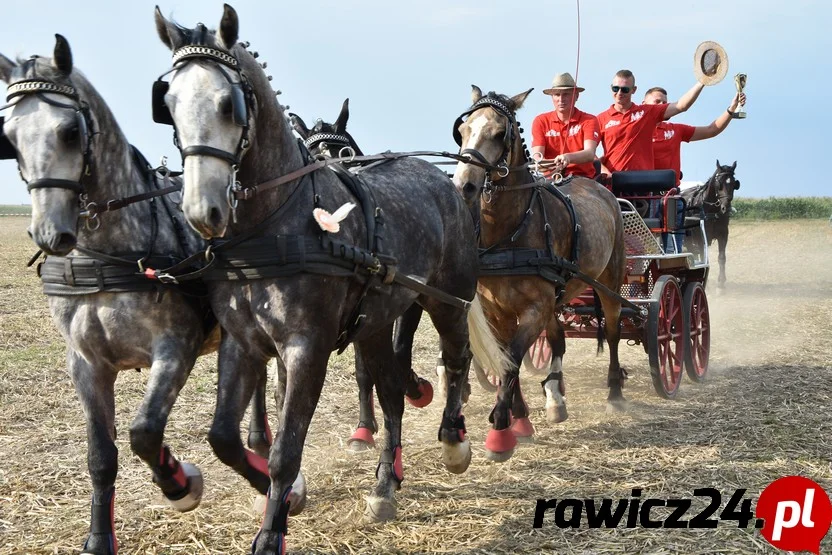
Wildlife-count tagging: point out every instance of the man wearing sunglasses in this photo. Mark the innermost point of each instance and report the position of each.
(564, 140)
(627, 128)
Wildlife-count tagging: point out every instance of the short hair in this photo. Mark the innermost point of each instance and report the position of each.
(626, 74)
(655, 89)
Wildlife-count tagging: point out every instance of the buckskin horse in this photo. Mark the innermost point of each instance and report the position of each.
(540, 246)
(290, 280)
(74, 157)
(330, 140)
(712, 201)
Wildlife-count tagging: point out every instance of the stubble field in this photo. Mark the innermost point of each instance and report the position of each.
(762, 414)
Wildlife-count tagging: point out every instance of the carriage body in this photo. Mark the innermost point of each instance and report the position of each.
(672, 323)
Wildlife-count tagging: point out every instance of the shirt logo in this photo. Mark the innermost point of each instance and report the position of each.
(552, 133)
(574, 130)
(637, 116)
(612, 123)
(595, 134)
(669, 134)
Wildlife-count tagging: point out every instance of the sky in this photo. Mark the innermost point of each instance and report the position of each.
(408, 67)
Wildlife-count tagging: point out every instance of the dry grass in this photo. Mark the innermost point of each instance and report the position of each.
(762, 415)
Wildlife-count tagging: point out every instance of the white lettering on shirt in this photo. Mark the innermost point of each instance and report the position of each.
(637, 116)
(612, 123)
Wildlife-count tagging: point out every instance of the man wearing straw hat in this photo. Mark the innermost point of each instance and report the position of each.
(565, 139)
(627, 128)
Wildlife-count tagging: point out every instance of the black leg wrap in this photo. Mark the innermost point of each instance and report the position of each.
(452, 428)
(369, 425)
(101, 521)
(619, 379)
(276, 518)
(552, 376)
(164, 476)
(389, 457)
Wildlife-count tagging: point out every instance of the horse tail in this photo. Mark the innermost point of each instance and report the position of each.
(484, 345)
(599, 314)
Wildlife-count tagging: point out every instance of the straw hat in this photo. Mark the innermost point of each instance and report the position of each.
(562, 82)
(710, 63)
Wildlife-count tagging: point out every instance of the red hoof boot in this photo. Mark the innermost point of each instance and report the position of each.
(426, 391)
(361, 440)
(499, 445)
(523, 429)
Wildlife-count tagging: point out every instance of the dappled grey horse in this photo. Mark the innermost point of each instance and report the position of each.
(73, 156)
(712, 201)
(294, 281)
(332, 140)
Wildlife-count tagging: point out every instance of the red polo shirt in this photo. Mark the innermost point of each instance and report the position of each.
(667, 145)
(561, 138)
(628, 138)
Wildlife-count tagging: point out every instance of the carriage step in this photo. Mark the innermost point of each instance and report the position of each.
(626, 312)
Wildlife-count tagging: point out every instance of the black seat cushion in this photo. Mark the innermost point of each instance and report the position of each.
(643, 181)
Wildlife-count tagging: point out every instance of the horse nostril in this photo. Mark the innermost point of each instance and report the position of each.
(215, 217)
(66, 242)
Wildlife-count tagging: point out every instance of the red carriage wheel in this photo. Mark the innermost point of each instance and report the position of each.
(666, 338)
(697, 331)
(538, 358)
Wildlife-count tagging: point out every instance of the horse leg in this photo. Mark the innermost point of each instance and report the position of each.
(362, 438)
(553, 385)
(95, 390)
(501, 440)
(451, 323)
(418, 391)
(377, 354)
(306, 365)
(612, 329)
(722, 241)
(259, 432)
(239, 370)
(181, 483)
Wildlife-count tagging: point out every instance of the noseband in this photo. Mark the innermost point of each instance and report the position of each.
(40, 87)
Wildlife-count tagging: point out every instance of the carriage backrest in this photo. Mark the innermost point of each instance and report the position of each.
(642, 182)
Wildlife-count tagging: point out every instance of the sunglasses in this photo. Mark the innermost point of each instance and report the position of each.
(625, 90)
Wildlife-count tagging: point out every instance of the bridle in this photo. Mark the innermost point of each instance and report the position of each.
(501, 165)
(40, 87)
(322, 141)
(715, 184)
(241, 95)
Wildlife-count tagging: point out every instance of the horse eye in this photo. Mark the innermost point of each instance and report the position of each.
(225, 106)
(69, 133)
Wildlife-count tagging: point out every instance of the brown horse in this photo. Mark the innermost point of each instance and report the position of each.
(535, 239)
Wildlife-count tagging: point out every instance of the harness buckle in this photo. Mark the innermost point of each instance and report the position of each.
(166, 278)
(503, 168)
(230, 193)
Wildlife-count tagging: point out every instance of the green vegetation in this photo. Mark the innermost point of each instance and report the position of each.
(780, 208)
(22, 209)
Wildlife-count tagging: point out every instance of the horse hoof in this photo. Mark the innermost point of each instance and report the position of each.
(380, 509)
(297, 499)
(616, 406)
(500, 444)
(425, 397)
(556, 413)
(456, 456)
(523, 430)
(192, 498)
(100, 544)
(361, 440)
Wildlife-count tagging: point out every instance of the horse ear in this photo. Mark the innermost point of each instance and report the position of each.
(518, 100)
(6, 67)
(717, 164)
(170, 34)
(341, 123)
(476, 94)
(734, 165)
(62, 57)
(299, 126)
(229, 27)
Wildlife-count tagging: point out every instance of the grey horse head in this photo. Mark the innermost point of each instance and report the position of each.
(50, 126)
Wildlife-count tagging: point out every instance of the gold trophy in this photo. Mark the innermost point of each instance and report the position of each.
(740, 80)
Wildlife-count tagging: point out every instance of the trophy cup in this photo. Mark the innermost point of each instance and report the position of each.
(740, 80)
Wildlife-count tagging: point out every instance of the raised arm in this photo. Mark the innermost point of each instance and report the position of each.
(719, 124)
(685, 102)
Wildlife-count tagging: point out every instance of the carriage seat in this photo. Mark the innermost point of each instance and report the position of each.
(642, 182)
